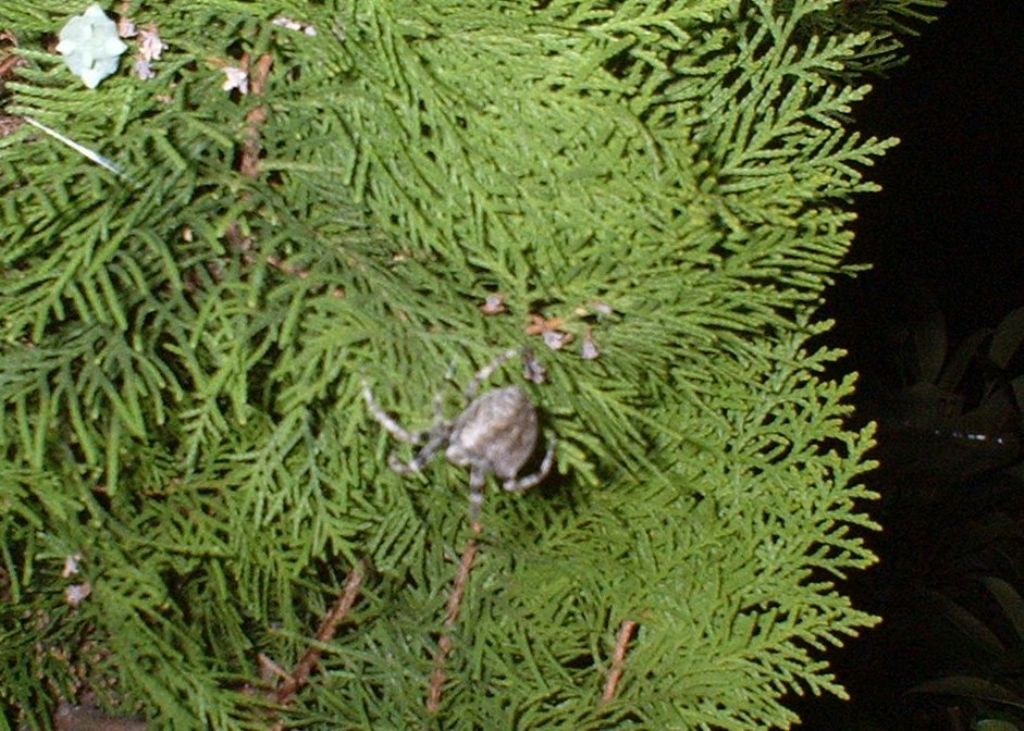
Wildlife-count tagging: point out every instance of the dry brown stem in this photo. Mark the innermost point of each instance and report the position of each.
(611, 685)
(328, 628)
(444, 645)
(250, 160)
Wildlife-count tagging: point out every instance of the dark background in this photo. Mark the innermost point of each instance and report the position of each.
(946, 234)
(950, 212)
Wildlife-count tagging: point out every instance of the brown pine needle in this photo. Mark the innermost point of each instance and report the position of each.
(444, 645)
(611, 685)
(250, 159)
(304, 667)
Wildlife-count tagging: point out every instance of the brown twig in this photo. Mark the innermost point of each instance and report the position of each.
(611, 685)
(444, 645)
(11, 61)
(300, 674)
(8, 66)
(292, 270)
(250, 160)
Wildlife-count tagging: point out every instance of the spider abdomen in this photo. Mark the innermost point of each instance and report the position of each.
(497, 431)
(496, 435)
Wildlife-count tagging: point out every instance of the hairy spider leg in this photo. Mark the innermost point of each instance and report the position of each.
(488, 370)
(525, 483)
(438, 436)
(438, 402)
(435, 437)
(385, 420)
(477, 479)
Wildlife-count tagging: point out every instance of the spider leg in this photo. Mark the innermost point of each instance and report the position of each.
(438, 401)
(438, 436)
(385, 420)
(525, 483)
(477, 479)
(484, 373)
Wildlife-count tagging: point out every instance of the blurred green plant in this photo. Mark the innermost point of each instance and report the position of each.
(990, 651)
(956, 411)
(952, 490)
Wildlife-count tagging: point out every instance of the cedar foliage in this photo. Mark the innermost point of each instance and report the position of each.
(182, 350)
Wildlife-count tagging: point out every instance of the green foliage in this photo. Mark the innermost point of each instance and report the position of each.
(887, 21)
(992, 688)
(182, 352)
(945, 392)
(949, 653)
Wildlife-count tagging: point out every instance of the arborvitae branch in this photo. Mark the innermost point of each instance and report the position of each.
(658, 190)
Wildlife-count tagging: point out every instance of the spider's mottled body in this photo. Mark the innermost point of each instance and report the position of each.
(498, 430)
(495, 434)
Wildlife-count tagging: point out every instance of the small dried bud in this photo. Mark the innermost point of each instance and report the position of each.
(294, 25)
(556, 339)
(150, 45)
(588, 348)
(533, 370)
(126, 27)
(539, 324)
(71, 565)
(494, 304)
(143, 70)
(77, 593)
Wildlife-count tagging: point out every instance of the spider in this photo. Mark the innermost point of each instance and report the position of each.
(495, 434)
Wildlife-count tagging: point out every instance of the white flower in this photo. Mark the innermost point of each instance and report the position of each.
(90, 46)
